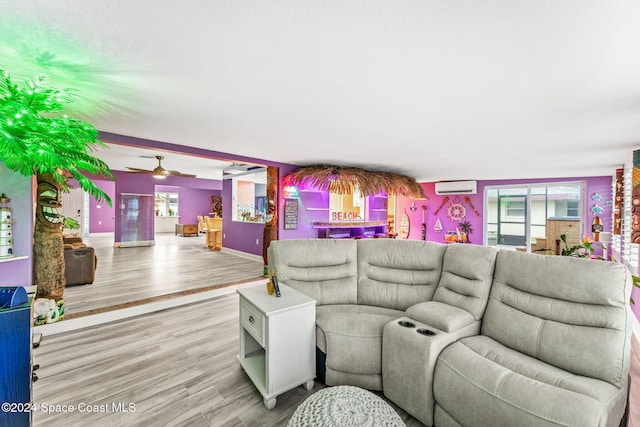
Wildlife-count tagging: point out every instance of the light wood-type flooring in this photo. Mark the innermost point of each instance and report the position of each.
(177, 367)
(175, 265)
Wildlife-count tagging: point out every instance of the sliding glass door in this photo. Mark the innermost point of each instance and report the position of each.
(532, 217)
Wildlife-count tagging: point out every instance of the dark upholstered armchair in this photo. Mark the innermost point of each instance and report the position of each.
(80, 262)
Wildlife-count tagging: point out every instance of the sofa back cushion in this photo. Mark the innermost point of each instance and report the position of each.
(569, 312)
(398, 273)
(467, 273)
(324, 269)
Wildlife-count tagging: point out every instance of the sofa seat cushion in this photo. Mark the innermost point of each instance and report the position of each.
(501, 386)
(351, 336)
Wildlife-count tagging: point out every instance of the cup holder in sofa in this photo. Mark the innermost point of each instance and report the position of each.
(406, 324)
(427, 332)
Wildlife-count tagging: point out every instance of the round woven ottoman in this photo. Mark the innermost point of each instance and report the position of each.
(343, 406)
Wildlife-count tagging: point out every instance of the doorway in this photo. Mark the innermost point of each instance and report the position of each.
(75, 206)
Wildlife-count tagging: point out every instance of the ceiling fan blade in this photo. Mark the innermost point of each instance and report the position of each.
(137, 170)
(160, 171)
(184, 175)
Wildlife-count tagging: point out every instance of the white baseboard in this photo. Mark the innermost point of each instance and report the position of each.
(247, 255)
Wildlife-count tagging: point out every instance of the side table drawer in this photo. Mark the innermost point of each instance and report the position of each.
(252, 320)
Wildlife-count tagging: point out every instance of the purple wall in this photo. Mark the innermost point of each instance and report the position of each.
(601, 185)
(248, 236)
(101, 215)
(238, 235)
(192, 193)
(20, 190)
(192, 201)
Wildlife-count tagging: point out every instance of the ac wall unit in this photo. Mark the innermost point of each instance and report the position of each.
(456, 187)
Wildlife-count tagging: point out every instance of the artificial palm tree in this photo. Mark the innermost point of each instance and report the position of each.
(37, 139)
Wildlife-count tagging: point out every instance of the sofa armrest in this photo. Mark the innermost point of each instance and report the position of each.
(442, 316)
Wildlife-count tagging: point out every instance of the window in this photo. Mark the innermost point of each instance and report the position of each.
(518, 216)
(249, 195)
(166, 204)
(515, 209)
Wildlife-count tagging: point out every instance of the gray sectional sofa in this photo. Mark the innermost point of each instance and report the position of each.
(463, 335)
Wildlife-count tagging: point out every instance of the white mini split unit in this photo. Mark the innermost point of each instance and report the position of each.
(456, 187)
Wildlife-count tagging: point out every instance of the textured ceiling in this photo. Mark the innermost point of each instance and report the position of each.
(437, 90)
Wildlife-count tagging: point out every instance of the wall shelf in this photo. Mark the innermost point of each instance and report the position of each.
(15, 258)
(351, 229)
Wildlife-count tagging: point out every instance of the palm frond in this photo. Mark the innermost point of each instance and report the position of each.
(33, 139)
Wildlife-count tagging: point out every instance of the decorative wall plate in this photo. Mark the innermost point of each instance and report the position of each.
(456, 211)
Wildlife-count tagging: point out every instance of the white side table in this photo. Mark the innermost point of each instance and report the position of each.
(277, 340)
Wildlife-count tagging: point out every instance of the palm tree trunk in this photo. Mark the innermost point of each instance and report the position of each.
(270, 231)
(48, 248)
(48, 263)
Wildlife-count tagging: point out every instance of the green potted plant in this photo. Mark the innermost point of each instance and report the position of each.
(583, 250)
(37, 139)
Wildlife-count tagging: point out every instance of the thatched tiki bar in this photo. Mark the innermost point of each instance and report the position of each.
(349, 202)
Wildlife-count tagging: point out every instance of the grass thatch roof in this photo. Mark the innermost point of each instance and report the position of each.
(344, 179)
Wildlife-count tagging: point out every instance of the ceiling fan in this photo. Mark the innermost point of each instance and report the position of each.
(160, 172)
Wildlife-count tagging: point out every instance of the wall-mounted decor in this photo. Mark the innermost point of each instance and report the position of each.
(404, 226)
(216, 206)
(424, 222)
(596, 228)
(617, 207)
(291, 214)
(456, 211)
(6, 225)
(635, 198)
(444, 201)
(437, 226)
(468, 200)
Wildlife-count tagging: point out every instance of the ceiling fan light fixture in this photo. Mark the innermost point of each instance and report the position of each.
(236, 168)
